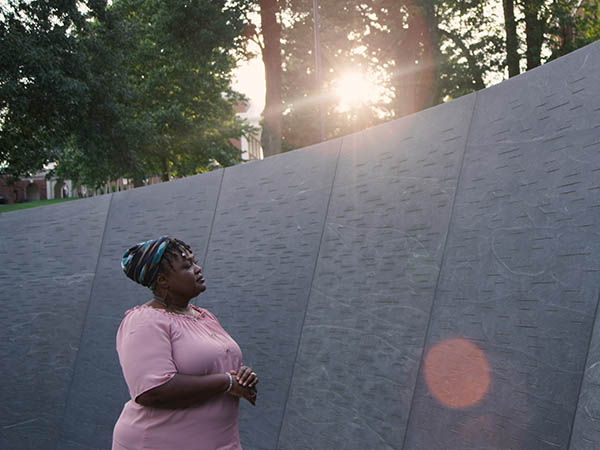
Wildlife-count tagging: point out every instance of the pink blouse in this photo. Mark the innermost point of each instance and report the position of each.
(153, 345)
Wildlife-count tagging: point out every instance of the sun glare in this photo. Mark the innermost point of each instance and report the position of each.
(354, 89)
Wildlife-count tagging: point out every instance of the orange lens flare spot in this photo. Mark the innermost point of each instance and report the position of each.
(457, 373)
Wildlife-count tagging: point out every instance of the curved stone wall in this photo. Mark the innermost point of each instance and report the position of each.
(431, 283)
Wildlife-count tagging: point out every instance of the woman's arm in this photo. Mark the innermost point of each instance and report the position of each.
(183, 391)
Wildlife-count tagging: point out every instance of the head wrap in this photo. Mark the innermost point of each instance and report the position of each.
(141, 262)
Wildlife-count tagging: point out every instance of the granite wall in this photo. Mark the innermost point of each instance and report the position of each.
(431, 283)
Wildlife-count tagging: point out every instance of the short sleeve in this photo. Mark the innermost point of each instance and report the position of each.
(144, 348)
(210, 315)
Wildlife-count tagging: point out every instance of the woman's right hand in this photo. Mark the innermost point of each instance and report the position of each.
(249, 393)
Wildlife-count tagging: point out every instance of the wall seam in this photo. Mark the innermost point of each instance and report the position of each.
(213, 220)
(442, 259)
(287, 395)
(83, 327)
(587, 356)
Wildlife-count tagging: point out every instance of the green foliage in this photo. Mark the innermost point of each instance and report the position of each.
(41, 87)
(572, 24)
(137, 88)
(471, 44)
(107, 139)
(143, 87)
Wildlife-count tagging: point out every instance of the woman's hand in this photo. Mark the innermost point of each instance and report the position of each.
(237, 390)
(245, 376)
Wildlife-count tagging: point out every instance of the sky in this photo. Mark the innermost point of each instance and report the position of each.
(249, 79)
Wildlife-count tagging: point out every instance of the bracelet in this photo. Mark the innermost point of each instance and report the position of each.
(230, 381)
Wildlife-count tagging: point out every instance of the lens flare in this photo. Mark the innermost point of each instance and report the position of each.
(457, 373)
(354, 89)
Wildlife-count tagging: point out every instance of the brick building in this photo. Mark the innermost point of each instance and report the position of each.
(34, 188)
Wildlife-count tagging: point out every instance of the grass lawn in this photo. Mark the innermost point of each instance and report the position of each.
(17, 206)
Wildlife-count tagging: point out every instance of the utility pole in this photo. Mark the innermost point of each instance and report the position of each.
(318, 68)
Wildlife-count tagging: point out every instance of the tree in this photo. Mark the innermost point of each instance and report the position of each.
(41, 88)
(559, 26)
(131, 89)
(182, 71)
(340, 25)
(108, 134)
(407, 36)
(575, 23)
(271, 55)
(472, 46)
(536, 16)
(422, 52)
(512, 41)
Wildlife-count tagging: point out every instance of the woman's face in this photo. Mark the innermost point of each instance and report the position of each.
(185, 280)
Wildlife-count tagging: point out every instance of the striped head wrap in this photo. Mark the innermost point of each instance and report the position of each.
(142, 261)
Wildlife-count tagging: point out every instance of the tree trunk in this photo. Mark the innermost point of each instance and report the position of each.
(271, 55)
(534, 31)
(416, 85)
(566, 15)
(405, 73)
(138, 181)
(431, 92)
(165, 169)
(512, 43)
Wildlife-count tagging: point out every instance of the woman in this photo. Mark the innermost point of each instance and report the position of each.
(182, 369)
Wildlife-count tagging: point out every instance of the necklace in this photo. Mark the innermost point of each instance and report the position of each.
(176, 309)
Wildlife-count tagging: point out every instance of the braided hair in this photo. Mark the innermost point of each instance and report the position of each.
(174, 249)
(144, 261)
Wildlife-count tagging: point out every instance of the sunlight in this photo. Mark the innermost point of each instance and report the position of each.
(354, 89)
